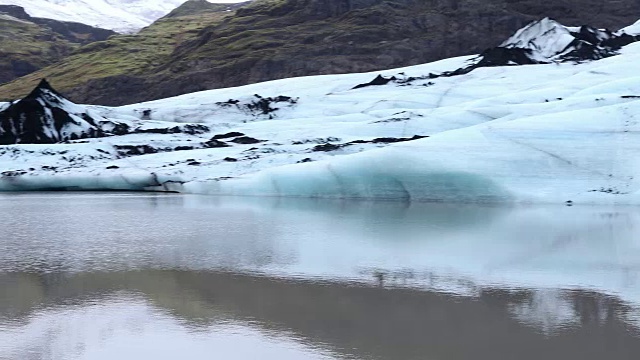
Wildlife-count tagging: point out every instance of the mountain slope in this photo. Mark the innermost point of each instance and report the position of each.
(271, 39)
(122, 61)
(118, 15)
(74, 32)
(28, 44)
(549, 132)
(196, 7)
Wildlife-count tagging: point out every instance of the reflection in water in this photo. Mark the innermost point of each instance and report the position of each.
(171, 310)
(93, 276)
(125, 326)
(549, 310)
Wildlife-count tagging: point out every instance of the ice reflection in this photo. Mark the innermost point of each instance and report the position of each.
(548, 310)
(83, 274)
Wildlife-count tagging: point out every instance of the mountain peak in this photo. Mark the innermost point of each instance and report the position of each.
(43, 87)
(44, 84)
(545, 39)
(46, 117)
(16, 11)
(47, 96)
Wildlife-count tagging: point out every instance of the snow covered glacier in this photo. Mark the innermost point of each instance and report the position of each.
(120, 15)
(562, 128)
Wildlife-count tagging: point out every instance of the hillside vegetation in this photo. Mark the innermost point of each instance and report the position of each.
(204, 46)
(28, 44)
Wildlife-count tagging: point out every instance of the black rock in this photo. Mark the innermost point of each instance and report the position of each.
(227, 135)
(190, 129)
(13, 173)
(134, 150)
(327, 147)
(164, 131)
(263, 105)
(389, 140)
(194, 129)
(500, 56)
(385, 140)
(146, 114)
(228, 102)
(378, 81)
(246, 140)
(117, 129)
(213, 143)
(618, 41)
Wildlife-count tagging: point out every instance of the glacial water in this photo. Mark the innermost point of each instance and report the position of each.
(147, 276)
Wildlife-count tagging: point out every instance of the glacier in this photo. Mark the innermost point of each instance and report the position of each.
(548, 132)
(124, 16)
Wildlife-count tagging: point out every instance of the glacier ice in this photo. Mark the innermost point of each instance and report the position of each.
(119, 15)
(537, 133)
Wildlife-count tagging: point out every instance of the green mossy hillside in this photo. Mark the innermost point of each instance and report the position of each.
(205, 46)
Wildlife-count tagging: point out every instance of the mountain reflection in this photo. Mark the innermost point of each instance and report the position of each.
(350, 320)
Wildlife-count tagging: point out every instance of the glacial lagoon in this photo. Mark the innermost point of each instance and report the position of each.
(156, 276)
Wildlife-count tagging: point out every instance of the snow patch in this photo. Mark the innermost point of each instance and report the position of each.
(632, 29)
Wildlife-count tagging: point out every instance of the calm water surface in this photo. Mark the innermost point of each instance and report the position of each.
(129, 276)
